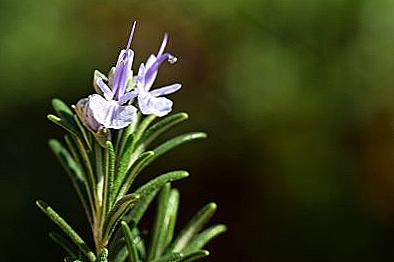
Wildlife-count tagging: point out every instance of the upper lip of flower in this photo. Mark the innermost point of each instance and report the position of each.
(121, 76)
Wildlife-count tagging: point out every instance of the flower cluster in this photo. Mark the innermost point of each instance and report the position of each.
(112, 107)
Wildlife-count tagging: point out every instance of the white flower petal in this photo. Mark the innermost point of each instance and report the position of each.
(110, 114)
(158, 106)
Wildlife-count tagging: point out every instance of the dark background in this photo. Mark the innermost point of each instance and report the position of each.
(297, 98)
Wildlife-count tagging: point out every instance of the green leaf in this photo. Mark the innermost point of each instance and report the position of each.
(160, 181)
(67, 229)
(171, 215)
(109, 176)
(86, 136)
(138, 242)
(193, 227)
(171, 257)
(161, 126)
(102, 256)
(63, 124)
(75, 174)
(204, 237)
(87, 158)
(125, 161)
(135, 214)
(65, 113)
(127, 132)
(143, 126)
(131, 247)
(174, 142)
(71, 259)
(120, 208)
(64, 243)
(133, 172)
(160, 225)
(195, 256)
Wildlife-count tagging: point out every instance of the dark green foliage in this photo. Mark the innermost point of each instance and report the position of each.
(102, 174)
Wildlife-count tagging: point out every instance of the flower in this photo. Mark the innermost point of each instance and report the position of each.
(151, 102)
(110, 110)
(85, 113)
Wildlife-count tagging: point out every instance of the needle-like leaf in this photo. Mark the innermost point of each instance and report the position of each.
(134, 170)
(65, 113)
(194, 256)
(174, 142)
(160, 127)
(131, 246)
(75, 174)
(67, 229)
(203, 238)
(171, 257)
(193, 227)
(108, 176)
(64, 243)
(160, 225)
(116, 213)
(62, 123)
(143, 126)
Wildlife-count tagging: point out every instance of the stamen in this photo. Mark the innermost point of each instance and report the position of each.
(131, 36)
(163, 45)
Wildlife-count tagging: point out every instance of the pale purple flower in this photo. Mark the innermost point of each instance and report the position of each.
(152, 102)
(110, 110)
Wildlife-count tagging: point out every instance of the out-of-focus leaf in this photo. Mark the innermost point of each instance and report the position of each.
(75, 174)
(65, 113)
(64, 243)
(67, 229)
(60, 122)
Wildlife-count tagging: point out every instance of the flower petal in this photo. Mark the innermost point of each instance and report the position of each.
(110, 114)
(166, 90)
(127, 97)
(158, 106)
(105, 89)
(122, 72)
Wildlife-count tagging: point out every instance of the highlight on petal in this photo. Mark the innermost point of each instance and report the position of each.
(110, 114)
(158, 106)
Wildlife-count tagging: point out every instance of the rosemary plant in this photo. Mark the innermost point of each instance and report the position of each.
(107, 145)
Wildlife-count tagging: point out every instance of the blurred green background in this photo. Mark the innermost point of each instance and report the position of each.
(297, 98)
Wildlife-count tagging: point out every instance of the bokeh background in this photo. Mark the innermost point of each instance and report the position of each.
(297, 98)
